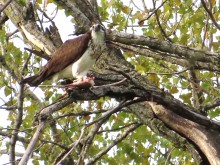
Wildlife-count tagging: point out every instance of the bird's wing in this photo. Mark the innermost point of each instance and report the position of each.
(68, 53)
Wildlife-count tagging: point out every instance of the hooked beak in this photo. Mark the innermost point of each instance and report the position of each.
(97, 28)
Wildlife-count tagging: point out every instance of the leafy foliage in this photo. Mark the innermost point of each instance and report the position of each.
(182, 22)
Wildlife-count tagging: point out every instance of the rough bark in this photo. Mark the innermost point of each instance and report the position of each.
(192, 126)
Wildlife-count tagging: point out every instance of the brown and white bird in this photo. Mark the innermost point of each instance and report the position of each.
(73, 59)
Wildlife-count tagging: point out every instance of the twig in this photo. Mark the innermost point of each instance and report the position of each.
(117, 129)
(73, 146)
(205, 33)
(135, 5)
(154, 11)
(168, 156)
(87, 141)
(11, 34)
(144, 5)
(89, 138)
(112, 84)
(31, 145)
(6, 134)
(209, 11)
(42, 117)
(159, 24)
(116, 109)
(182, 71)
(38, 53)
(26, 64)
(11, 108)
(51, 86)
(176, 26)
(83, 113)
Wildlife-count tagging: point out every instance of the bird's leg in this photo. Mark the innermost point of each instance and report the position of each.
(84, 82)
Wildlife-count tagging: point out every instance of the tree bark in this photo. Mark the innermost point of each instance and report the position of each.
(207, 140)
(181, 118)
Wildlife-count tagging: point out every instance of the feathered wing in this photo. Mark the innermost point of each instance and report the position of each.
(68, 53)
(33, 80)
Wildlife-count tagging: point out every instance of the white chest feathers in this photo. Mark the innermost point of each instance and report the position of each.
(80, 68)
(94, 50)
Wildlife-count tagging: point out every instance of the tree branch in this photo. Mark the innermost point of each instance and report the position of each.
(17, 125)
(209, 11)
(5, 5)
(28, 28)
(31, 145)
(189, 129)
(83, 23)
(194, 55)
(47, 111)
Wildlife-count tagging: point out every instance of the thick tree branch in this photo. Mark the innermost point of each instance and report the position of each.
(141, 87)
(5, 5)
(145, 114)
(197, 133)
(183, 52)
(171, 58)
(28, 28)
(83, 23)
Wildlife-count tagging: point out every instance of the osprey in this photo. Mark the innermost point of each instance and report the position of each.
(73, 59)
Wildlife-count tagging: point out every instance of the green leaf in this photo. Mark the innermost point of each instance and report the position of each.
(7, 91)
(186, 98)
(214, 113)
(174, 90)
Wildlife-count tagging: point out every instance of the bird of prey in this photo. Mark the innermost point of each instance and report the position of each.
(72, 59)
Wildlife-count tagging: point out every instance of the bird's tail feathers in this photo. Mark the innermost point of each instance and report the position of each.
(33, 80)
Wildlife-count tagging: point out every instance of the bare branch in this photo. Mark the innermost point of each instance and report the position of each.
(31, 145)
(159, 24)
(83, 113)
(183, 52)
(17, 124)
(89, 138)
(209, 11)
(72, 146)
(190, 130)
(40, 54)
(117, 129)
(42, 118)
(5, 5)
(153, 12)
(171, 58)
(25, 140)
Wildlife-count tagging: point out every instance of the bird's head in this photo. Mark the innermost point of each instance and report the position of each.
(98, 33)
